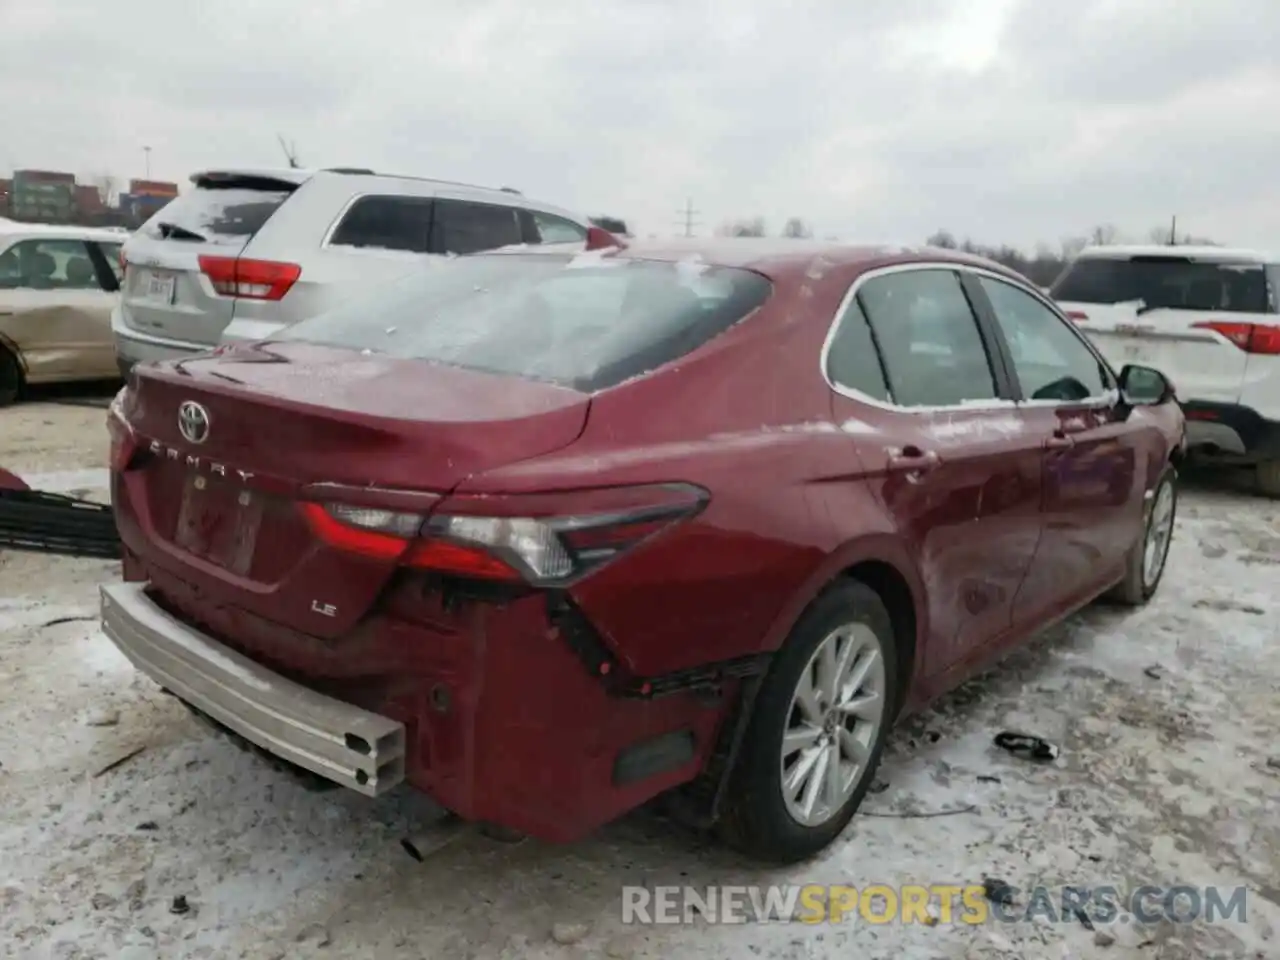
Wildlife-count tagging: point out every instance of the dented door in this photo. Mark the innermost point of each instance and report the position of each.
(55, 311)
(61, 334)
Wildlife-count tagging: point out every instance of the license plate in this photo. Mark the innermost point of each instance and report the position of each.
(159, 286)
(219, 521)
(1132, 352)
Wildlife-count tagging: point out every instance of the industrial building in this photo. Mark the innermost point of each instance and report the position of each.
(50, 196)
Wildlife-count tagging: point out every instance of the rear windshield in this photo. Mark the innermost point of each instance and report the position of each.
(1166, 282)
(586, 322)
(227, 215)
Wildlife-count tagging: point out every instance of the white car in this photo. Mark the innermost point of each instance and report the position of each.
(246, 251)
(1209, 319)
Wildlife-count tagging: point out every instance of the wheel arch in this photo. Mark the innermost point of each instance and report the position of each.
(11, 345)
(882, 563)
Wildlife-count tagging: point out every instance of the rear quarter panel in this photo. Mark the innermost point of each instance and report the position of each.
(297, 234)
(747, 417)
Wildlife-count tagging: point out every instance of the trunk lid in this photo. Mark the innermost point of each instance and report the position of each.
(164, 292)
(1152, 309)
(225, 514)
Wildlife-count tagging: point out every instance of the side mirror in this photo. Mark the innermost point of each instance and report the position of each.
(1144, 386)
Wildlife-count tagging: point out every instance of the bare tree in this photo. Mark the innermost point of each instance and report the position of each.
(1071, 246)
(1103, 235)
(942, 239)
(748, 228)
(796, 229)
(753, 227)
(107, 187)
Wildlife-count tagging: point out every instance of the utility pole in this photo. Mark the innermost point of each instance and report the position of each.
(146, 153)
(1173, 231)
(686, 217)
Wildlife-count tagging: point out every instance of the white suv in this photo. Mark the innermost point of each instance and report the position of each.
(1209, 318)
(246, 252)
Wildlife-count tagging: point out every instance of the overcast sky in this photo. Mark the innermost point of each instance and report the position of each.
(1006, 120)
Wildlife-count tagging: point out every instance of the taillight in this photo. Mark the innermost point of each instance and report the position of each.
(599, 238)
(544, 549)
(249, 279)
(124, 443)
(1250, 337)
(1077, 316)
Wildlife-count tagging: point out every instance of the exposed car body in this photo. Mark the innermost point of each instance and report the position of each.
(247, 251)
(1209, 317)
(547, 535)
(57, 289)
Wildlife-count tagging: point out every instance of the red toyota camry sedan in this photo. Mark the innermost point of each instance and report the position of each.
(545, 535)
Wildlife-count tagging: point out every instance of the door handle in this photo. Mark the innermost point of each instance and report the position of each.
(1059, 440)
(912, 460)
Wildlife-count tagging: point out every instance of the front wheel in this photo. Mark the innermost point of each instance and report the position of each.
(817, 730)
(1148, 557)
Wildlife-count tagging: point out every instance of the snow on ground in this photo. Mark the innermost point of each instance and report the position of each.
(1166, 717)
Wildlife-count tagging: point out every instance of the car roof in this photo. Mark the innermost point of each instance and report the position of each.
(1203, 253)
(779, 257)
(57, 231)
(298, 176)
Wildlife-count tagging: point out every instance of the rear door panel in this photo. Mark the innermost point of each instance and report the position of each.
(961, 481)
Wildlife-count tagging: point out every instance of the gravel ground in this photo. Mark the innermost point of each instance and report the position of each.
(116, 802)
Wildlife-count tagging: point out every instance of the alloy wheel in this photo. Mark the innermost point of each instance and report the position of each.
(837, 709)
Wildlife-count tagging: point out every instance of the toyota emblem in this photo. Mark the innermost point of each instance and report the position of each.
(193, 422)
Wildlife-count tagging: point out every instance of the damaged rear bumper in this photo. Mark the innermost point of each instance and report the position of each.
(335, 740)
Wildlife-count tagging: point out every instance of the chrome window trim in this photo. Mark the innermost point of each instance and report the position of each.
(975, 406)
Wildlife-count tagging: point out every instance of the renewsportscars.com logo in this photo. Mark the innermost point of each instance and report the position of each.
(931, 904)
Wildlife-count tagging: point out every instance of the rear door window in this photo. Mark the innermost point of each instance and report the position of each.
(583, 322)
(1166, 282)
(932, 350)
(48, 265)
(461, 226)
(221, 213)
(852, 359)
(387, 223)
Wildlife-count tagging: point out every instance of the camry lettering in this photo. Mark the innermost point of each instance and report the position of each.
(198, 463)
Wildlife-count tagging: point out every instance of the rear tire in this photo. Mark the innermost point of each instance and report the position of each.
(1267, 476)
(1148, 557)
(11, 378)
(832, 692)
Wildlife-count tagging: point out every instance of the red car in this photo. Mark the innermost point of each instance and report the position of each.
(547, 535)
